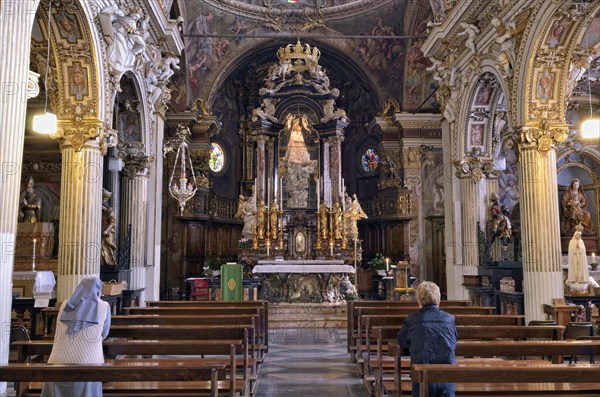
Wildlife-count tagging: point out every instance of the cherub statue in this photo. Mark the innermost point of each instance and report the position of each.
(471, 31)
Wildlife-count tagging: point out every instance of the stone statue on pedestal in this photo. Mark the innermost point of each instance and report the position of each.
(246, 209)
(578, 276)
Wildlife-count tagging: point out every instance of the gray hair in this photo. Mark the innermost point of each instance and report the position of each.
(428, 293)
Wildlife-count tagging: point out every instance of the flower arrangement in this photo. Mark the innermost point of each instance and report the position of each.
(378, 262)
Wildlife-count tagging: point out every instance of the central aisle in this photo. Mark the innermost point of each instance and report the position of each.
(309, 362)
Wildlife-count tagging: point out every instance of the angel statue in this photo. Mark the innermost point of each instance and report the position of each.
(245, 211)
(354, 214)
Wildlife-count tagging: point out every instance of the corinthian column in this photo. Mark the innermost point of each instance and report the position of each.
(80, 204)
(470, 173)
(540, 227)
(134, 202)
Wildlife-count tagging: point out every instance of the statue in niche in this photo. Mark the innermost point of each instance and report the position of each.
(108, 242)
(296, 148)
(501, 226)
(297, 162)
(575, 208)
(578, 276)
(31, 204)
(246, 210)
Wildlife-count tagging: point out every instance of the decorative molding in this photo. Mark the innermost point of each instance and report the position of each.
(76, 132)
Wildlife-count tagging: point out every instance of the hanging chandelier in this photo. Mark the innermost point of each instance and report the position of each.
(182, 183)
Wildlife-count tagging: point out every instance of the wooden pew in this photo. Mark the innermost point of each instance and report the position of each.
(123, 370)
(261, 304)
(229, 349)
(351, 315)
(492, 320)
(383, 366)
(505, 349)
(212, 310)
(518, 377)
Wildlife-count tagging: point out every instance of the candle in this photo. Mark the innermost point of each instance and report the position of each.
(331, 247)
(281, 194)
(268, 247)
(387, 264)
(33, 259)
(406, 279)
(318, 193)
(593, 257)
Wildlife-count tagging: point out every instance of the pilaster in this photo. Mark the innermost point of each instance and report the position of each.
(540, 227)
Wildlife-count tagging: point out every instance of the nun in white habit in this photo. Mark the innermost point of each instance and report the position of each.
(83, 322)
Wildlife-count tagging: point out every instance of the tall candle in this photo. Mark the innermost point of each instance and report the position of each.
(387, 264)
(331, 248)
(406, 279)
(281, 194)
(33, 259)
(318, 193)
(593, 257)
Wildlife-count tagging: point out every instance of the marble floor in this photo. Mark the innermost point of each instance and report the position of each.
(309, 362)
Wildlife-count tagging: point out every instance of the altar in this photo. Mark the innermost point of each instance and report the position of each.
(304, 280)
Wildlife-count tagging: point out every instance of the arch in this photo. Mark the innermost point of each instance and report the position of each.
(541, 86)
(268, 49)
(76, 51)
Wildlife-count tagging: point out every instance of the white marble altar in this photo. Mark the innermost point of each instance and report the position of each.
(302, 266)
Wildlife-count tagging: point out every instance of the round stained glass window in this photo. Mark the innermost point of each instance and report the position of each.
(370, 160)
(216, 159)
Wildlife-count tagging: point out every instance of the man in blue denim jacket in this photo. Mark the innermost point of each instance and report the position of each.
(430, 336)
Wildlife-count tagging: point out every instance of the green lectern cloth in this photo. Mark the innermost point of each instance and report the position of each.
(231, 282)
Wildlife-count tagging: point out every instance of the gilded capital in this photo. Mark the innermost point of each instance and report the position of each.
(542, 136)
(77, 131)
(474, 168)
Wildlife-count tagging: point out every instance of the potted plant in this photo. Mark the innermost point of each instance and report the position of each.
(214, 266)
(378, 263)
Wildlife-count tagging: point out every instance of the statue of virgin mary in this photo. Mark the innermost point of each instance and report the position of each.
(578, 278)
(297, 151)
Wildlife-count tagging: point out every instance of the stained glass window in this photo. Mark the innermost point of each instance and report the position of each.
(216, 160)
(370, 160)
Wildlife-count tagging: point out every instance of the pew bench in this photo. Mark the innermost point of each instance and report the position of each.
(577, 379)
(207, 374)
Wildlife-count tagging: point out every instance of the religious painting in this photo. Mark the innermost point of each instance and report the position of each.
(557, 33)
(68, 26)
(130, 127)
(370, 160)
(476, 135)
(216, 160)
(483, 95)
(545, 86)
(78, 81)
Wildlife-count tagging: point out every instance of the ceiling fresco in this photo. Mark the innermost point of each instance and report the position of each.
(368, 37)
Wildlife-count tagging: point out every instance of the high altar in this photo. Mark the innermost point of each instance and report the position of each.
(300, 226)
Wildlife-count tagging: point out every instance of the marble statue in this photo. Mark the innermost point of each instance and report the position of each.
(125, 36)
(471, 31)
(31, 204)
(354, 214)
(575, 208)
(578, 276)
(246, 210)
(108, 242)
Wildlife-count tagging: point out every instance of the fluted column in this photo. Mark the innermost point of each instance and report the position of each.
(134, 202)
(470, 173)
(16, 20)
(540, 227)
(80, 204)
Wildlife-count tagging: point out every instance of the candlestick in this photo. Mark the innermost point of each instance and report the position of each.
(33, 259)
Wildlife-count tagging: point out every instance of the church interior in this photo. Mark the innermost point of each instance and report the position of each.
(304, 165)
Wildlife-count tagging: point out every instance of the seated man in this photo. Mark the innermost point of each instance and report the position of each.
(430, 336)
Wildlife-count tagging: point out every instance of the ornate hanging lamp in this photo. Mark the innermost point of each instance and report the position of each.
(182, 183)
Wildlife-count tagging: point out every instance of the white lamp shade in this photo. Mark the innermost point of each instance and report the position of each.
(590, 129)
(45, 123)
